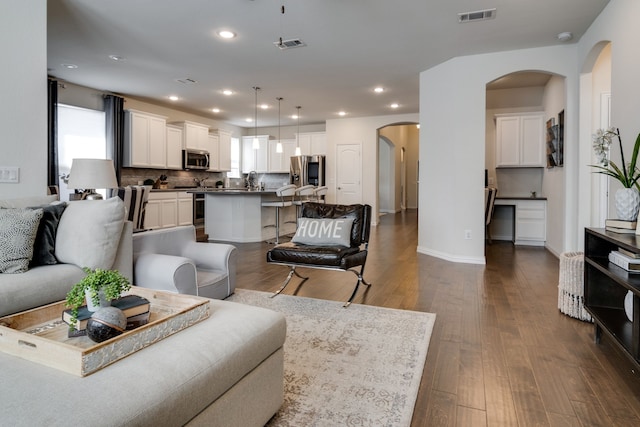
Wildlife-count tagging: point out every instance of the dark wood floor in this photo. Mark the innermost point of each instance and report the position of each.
(501, 353)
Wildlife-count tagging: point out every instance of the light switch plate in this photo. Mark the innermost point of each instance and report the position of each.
(9, 174)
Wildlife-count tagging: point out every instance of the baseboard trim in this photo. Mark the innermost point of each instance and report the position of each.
(452, 258)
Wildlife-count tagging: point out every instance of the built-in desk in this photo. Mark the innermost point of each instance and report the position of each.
(526, 220)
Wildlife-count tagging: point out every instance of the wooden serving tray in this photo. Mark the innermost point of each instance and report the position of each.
(40, 335)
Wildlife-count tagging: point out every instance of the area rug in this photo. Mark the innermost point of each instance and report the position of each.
(355, 366)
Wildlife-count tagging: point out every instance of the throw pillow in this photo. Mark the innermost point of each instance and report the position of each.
(89, 233)
(45, 244)
(18, 228)
(324, 231)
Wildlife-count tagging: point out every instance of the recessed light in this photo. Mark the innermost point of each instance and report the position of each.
(418, 126)
(248, 120)
(173, 98)
(565, 36)
(117, 58)
(379, 89)
(264, 106)
(226, 34)
(394, 105)
(227, 92)
(215, 110)
(342, 113)
(69, 66)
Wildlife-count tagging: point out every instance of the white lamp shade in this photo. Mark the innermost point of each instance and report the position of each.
(256, 143)
(298, 152)
(92, 173)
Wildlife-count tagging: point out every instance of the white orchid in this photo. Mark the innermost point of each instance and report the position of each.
(629, 174)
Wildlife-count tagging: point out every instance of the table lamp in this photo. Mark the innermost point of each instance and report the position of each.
(89, 174)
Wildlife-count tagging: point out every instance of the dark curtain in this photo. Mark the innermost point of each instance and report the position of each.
(52, 143)
(114, 118)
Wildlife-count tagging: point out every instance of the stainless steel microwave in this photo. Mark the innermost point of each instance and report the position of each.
(195, 159)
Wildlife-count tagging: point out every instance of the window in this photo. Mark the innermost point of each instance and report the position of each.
(81, 134)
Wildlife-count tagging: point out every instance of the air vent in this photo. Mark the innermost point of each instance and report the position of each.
(289, 44)
(187, 81)
(480, 15)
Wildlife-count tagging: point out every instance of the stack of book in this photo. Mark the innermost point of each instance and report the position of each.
(135, 307)
(628, 260)
(621, 226)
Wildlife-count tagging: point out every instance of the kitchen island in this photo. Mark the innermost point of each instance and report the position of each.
(237, 215)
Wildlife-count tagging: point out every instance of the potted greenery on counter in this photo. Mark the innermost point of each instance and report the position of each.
(97, 288)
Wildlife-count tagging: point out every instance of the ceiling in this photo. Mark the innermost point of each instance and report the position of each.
(352, 46)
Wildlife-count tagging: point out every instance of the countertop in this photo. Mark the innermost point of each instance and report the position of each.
(519, 198)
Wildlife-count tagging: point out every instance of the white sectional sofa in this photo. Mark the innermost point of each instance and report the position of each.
(90, 234)
(226, 370)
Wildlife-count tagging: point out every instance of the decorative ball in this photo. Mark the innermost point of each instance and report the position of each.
(106, 323)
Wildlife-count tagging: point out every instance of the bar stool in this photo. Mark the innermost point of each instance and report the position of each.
(319, 193)
(282, 192)
(303, 195)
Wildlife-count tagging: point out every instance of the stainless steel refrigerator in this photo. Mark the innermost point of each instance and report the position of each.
(307, 170)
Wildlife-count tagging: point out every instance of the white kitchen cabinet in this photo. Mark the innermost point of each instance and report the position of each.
(313, 143)
(161, 210)
(255, 160)
(145, 140)
(520, 140)
(220, 143)
(185, 208)
(195, 136)
(214, 152)
(224, 137)
(280, 162)
(174, 147)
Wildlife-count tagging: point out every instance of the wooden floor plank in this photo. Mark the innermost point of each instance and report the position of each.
(497, 328)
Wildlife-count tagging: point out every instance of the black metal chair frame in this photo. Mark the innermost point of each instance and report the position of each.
(355, 256)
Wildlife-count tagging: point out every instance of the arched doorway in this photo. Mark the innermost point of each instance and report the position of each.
(528, 95)
(397, 171)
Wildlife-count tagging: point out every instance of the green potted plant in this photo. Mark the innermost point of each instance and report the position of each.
(98, 286)
(627, 198)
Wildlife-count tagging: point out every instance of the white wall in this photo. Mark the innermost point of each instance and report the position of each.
(452, 143)
(553, 182)
(386, 176)
(23, 85)
(362, 131)
(617, 24)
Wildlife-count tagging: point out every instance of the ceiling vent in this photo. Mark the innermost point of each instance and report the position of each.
(289, 44)
(480, 15)
(187, 81)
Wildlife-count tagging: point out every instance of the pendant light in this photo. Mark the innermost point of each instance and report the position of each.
(256, 141)
(279, 143)
(298, 152)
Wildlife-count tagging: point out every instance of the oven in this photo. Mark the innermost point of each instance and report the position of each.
(198, 217)
(198, 210)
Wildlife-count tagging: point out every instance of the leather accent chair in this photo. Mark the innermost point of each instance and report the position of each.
(330, 257)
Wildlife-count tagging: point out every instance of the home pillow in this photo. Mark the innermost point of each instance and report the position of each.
(89, 233)
(324, 232)
(45, 244)
(18, 228)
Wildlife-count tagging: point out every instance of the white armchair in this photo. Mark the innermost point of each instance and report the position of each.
(170, 259)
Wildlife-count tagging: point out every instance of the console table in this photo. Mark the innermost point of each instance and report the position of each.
(605, 288)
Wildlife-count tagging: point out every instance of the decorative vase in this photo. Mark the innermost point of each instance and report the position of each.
(627, 203)
(104, 302)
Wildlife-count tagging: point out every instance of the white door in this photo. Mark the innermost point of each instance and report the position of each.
(348, 174)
